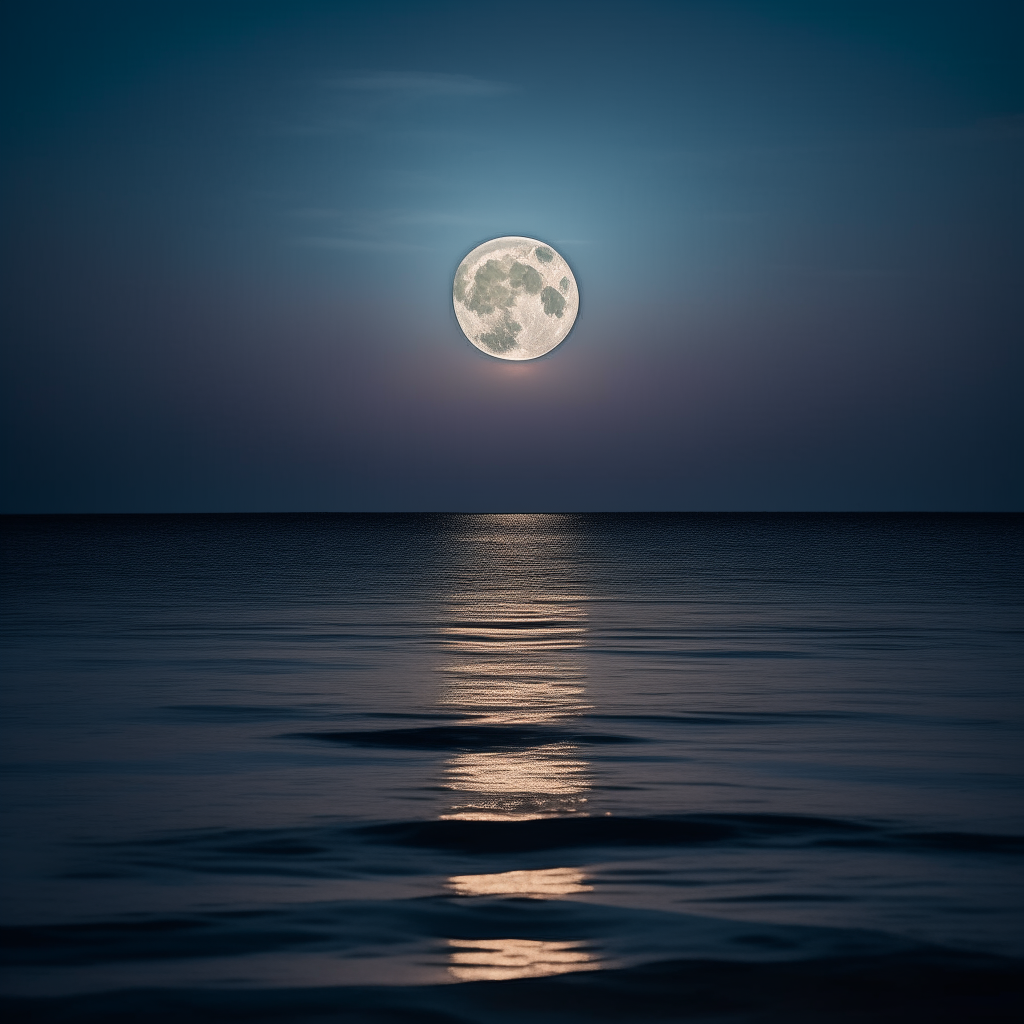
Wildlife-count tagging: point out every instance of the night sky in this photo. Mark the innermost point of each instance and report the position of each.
(229, 233)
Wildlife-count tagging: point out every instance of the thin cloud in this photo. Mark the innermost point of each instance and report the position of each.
(428, 86)
(357, 244)
(380, 222)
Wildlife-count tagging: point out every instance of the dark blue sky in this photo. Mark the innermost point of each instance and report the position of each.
(229, 234)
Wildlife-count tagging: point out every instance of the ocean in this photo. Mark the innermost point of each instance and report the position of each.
(455, 768)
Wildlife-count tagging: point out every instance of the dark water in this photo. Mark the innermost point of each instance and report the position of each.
(457, 768)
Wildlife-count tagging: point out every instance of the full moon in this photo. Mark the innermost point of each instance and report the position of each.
(515, 298)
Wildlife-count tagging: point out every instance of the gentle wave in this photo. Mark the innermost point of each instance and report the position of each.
(936, 986)
(330, 849)
(468, 737)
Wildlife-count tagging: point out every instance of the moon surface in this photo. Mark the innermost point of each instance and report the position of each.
(515, 297)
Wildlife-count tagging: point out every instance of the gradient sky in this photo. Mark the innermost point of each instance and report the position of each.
(229, 233)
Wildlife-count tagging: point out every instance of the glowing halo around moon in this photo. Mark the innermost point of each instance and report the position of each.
(515, 298)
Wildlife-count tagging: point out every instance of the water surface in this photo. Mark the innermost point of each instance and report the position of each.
(309, 753)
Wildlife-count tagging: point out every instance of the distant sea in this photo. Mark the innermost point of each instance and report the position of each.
(455, 768)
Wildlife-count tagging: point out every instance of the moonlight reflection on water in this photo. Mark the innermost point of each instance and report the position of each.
(513, 657)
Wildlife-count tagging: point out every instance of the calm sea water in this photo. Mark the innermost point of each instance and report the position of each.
(266, 757)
